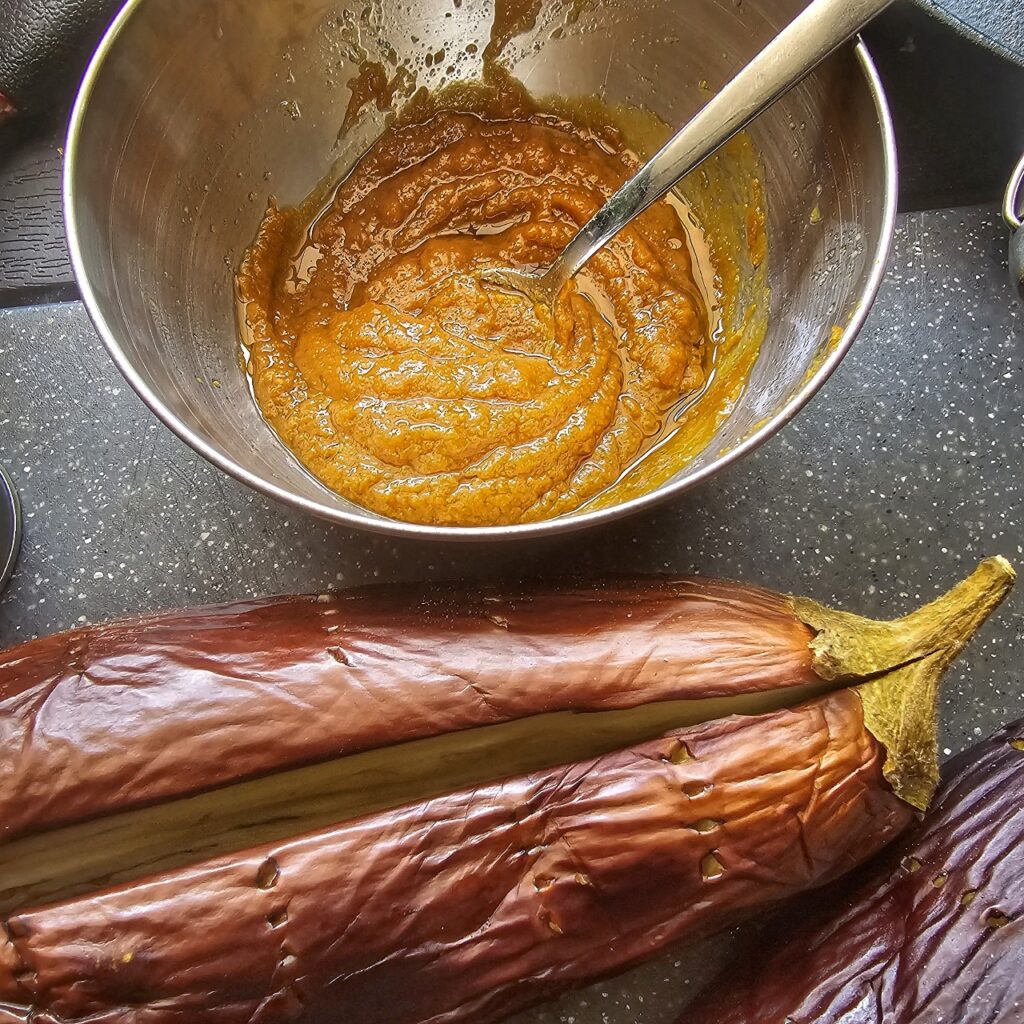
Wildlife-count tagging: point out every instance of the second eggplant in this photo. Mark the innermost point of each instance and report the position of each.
(932, 931)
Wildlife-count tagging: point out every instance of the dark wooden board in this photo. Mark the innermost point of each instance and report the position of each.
(34, 262)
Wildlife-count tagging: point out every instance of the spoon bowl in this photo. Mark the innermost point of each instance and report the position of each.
(540, 289)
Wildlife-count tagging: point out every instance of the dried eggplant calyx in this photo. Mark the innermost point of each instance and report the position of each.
(902, 662)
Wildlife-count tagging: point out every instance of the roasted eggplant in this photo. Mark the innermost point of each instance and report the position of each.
(513, 872)
(103, 718)
(933, 931)
(479, 902)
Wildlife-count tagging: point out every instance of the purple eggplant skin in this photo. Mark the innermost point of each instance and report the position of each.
(931, 932)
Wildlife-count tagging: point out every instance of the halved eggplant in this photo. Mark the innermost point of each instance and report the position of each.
(456, 897)
(474, 904)
(102, 719)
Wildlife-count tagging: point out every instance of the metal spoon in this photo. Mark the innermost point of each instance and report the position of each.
(821, 28)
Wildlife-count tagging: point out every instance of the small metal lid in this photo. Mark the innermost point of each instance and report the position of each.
(1013, 201)
(10, 527)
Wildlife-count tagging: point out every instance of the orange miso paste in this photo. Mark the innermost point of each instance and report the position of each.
(411, 388)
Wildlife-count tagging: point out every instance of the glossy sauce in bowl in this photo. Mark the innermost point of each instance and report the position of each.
(404, 384)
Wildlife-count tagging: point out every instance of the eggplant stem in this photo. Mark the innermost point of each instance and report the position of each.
(899, 666)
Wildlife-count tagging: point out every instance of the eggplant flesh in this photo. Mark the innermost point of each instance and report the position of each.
(106, 851)
(933, 931)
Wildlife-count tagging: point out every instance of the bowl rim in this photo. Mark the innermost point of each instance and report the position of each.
(366, 520)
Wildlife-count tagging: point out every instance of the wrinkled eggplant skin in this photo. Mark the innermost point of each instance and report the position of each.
(102, 719)
(919, 936)
(480, 903)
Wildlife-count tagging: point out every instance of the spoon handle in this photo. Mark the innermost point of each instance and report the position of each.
(821, 28)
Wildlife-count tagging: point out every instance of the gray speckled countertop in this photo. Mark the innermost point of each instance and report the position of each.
(898, 477)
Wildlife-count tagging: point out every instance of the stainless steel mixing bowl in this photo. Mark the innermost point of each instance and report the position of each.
(192, 114)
